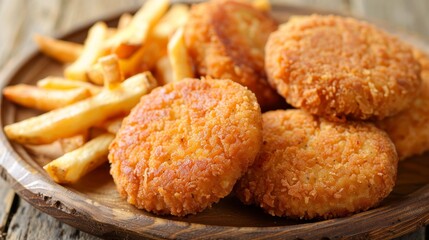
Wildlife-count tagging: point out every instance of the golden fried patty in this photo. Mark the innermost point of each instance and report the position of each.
(183, 147)
(409, 130)
(340, 67)
(226, 40)
(311, 168)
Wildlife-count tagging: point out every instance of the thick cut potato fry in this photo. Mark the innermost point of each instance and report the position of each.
(92, 50)
(43, 99)
(62, 51)
(95, 74)
(129, 39)
(112, 125)
(178, 56)
(171, 21)
(70, 167)
(60, 83)
(124, 20)
(145, 58)
(112, 74)
(163, 71)
(71, 143)
(111, 32)
(76, 118)
(263, 5)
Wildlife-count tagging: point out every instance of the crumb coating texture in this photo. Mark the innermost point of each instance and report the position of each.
(184, 146)
(226, 40)
(339, 67)
(409, 129)
(311, 168)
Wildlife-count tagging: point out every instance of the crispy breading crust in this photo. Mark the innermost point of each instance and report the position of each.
(311, 168)
(340, 67)
(184, 146)
(409, 130)
(226, 40)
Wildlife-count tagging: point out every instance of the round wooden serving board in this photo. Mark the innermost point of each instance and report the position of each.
(94, 206)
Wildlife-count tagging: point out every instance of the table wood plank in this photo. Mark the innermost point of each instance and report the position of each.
(7, 196)
(29, 223)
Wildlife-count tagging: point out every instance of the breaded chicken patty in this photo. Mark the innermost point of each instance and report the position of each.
(226, 40)
(311, 168)
(184, 146)
(339, 67)
(409, 130)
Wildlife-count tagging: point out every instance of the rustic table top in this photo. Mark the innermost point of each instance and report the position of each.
(20, 19)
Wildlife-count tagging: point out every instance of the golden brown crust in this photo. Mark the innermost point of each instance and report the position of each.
(226, 40)
(311, 168)
(183, 147)
(340, 67)
(409, 130)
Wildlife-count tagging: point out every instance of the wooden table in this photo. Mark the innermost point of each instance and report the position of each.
(20, 19)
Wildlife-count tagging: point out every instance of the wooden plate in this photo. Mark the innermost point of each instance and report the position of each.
(94, 206)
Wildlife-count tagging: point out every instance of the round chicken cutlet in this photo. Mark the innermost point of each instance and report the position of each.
(184, 146)
(311, 168)
(226, 40)
(409, 129)
(339, 67)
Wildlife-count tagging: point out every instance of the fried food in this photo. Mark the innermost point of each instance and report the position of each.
(226, 40)
(60, 83)
(78, 117)
(164, 71)
(310, 168)
(340, 67)
(72, 143)
(184, 146)
(409, 130)
(70, 167)
(175, 18)
(178, 56)
(62, 51)
(130, 38)
(44, 99)
(92, 50)
(112, 72)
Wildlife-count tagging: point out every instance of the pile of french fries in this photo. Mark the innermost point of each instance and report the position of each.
(104, 78)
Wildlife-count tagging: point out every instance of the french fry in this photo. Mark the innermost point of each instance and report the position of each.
(76, 118)
(163, 71)
(178, 56)
(112, 125)
(124, 20)
(62, 51)
(129, 39)
(171, 21)
(95, 74)
(92, 50)
(145, 58)
(43, 99)
(45, 153)
(263, 5)
(112, 74)
(70, 167)
(111, 32)
(71, 143)
(60, 83)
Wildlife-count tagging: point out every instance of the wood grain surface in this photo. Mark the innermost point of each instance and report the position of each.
(19, 220)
